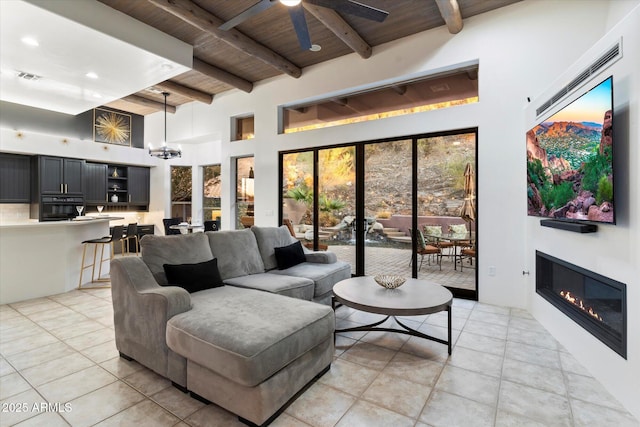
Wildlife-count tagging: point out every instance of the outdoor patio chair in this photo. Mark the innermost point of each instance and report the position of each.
(468, 254)
(425, 249)
(308, 245)
(287, 222)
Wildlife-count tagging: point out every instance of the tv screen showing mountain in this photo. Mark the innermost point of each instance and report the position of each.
(570, 160)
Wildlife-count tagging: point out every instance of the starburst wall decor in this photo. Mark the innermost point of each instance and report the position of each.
(111, 127)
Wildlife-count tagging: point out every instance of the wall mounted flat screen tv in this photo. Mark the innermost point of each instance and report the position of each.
(570, 160)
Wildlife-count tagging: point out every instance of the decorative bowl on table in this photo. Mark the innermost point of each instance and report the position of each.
(388, 281)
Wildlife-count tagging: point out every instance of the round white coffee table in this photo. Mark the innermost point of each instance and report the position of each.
(415, 297)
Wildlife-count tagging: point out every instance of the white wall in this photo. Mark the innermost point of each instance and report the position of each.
(521, 50)
(614, 250)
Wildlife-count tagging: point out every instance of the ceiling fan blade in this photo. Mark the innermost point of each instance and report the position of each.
(300, 25)
(353, 8)
(248, 13)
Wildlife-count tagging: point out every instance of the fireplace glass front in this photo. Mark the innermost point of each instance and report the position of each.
(595, 302)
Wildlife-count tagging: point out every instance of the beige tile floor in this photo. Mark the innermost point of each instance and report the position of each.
(59, 366)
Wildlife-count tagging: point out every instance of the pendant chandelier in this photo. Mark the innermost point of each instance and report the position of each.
(165, 152)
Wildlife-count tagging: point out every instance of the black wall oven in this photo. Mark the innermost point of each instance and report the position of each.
(59, 208)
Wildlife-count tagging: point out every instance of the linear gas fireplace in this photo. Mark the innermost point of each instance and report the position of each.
(595, 302)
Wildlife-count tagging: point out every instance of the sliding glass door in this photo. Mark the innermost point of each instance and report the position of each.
(387, 207)
(336, 203)
(446, 209)
(404, 206)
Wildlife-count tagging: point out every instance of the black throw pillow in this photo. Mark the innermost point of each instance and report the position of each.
(288, 256)
(194, 277)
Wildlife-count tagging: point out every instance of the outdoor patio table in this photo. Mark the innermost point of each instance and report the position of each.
(458, 240)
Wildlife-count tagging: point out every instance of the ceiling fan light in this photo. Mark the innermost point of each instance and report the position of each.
(290, 3)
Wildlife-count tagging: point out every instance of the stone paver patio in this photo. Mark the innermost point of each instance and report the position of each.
(385, 260)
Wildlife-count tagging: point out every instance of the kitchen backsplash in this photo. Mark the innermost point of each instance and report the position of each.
(14, 212)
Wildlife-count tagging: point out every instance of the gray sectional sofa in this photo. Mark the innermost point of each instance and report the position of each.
(249, 345)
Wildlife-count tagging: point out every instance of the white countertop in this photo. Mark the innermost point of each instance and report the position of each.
(36, 223)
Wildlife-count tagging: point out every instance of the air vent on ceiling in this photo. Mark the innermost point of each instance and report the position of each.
(605, 60)
(28, 76)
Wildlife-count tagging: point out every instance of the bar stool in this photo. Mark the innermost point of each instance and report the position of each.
(116, 236)
(132, 233)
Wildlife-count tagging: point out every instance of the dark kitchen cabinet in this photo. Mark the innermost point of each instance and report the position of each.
(117, 187)
(95, 179)
(15, 178)
(61, 176)
(138, 185)
(50, 176)
(73, 176)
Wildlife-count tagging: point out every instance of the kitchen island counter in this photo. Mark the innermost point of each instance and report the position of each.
(39, 259)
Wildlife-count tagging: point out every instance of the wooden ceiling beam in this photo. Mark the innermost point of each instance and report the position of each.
(222, 75)
(450, 11)
(139, 100)
(399, 89)
(340, 101)
(340, 28)
(193, 14)
(300, 110)
(178, 89)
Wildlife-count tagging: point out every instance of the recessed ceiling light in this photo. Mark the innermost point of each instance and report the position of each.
(315, 48)
(166, 66)
(290, 3)
(30, 41)
(97, 95)
(91, 75)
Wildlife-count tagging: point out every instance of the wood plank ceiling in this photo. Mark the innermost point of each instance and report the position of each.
(266, 44)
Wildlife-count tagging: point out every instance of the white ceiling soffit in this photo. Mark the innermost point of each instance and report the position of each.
(77, 37)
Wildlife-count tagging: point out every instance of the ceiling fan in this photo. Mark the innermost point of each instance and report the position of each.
(296, 12)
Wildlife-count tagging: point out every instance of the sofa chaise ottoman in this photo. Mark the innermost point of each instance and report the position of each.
(250, 351)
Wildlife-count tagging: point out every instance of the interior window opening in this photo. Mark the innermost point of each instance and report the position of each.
(434, 92)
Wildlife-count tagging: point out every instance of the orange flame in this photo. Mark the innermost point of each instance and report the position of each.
(580, 304)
